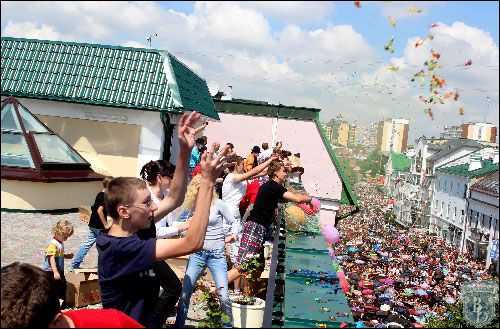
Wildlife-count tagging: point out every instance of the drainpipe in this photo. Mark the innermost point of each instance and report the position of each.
(168, 129)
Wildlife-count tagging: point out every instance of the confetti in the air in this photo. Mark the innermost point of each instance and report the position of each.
(389, 46)
(419, 43)
(414, 10)
(429, 112)
(392, 21)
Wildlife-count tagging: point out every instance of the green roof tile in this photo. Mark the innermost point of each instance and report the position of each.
(400, 161)
(101, 75)
(463, 170)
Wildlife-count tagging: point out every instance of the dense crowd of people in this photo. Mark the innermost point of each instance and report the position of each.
(398, 275)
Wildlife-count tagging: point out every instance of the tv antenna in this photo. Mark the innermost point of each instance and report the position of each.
(150, 38)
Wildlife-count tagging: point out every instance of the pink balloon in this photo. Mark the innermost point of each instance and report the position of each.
(316, 204)
(330, 233)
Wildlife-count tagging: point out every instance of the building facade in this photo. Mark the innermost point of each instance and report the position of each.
(479, 131)
(392, 136)
(451, 191)
(483, 219)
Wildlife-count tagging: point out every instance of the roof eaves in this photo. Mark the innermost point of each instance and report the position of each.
(89, 102)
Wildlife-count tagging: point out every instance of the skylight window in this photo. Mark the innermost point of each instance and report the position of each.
(31, 151)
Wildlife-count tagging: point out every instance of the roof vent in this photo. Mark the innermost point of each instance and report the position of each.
(475, 162)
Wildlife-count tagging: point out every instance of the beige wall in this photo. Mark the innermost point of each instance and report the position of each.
(343, 134)
(48, 196)
(111, 148)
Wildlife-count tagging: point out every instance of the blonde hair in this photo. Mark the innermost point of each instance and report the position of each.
(192, 194)
(63, 228)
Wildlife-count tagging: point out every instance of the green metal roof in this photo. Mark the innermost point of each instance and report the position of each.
(463, 170)
(251, 107)
(101, 75)
(400, 161)
(192, 89)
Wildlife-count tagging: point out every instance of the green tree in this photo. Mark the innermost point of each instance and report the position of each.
(374, 164)
(350, 175)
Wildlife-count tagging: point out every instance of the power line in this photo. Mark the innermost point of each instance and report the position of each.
(328, 61)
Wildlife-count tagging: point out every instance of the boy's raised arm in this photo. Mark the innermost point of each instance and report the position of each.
(193, 241)
(186, 134)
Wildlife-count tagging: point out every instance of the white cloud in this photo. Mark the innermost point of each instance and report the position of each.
(134, 44)
(293, 11)
(30, 30)
(228, 23)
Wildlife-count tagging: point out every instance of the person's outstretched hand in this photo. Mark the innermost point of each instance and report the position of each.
(212, 167)
(187, 132)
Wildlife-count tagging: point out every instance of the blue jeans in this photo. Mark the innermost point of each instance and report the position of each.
(216, 262)
(84, 249)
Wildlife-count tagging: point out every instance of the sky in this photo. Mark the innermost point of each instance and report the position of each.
(326, 55)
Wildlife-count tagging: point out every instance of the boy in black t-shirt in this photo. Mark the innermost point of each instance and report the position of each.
(262, 216)
(97, 222)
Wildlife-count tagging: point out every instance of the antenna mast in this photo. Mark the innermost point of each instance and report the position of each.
(150, 38)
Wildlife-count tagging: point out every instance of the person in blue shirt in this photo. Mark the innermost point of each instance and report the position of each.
(125, 261)
(194, 159)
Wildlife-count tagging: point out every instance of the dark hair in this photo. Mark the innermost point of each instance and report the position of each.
(150, 170)
(285, 154)
(122, 190)
(29, 297)
(106, 180)
(273, 168)
(236, 159)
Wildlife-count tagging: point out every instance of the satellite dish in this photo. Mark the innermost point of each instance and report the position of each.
(213, 87)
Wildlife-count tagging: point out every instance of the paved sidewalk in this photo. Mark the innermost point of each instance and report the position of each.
(25, 235)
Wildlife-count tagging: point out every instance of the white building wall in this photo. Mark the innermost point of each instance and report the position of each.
(486, 206)
(449, 205)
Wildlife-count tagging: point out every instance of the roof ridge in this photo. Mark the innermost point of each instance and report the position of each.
(83, 44)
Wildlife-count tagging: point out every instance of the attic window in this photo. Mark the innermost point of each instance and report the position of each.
(31, 151)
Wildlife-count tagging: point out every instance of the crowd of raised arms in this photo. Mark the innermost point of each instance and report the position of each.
(195, 207)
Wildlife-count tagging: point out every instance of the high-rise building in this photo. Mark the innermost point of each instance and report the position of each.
(451, 132)
(340, 132)
(392, 136)
(343, 134)
(479, 131)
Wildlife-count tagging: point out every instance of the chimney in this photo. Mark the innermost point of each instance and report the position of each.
(475, 162)
(495, 156)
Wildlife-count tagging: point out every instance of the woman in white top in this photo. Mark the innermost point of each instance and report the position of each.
(158, 175)
(233, 190)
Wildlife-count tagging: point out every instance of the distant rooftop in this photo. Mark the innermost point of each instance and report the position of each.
(463, 169)
(451, 145)
(400, 161)
(488, 185)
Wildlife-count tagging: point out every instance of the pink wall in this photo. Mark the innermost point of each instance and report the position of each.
(320, 178)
